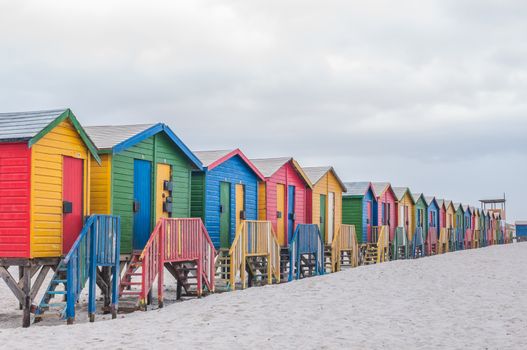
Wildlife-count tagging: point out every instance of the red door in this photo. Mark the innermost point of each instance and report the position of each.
(72, 180)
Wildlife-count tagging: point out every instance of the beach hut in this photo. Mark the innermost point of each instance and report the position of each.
(431, 225)
(145, 179)
(468, 222)
(476, 239)
(45, 162)
(405, 221)
(359, 208)
(224, 193)
(450, 225)
(419, 234)
(460, 226)
(442, 242)
(386, 202)
(521, 230)
(284, 196)
(326, 204)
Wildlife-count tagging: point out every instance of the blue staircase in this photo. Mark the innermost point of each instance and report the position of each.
(418, 244)
(306, 252)
(460, 236)
(97, 246)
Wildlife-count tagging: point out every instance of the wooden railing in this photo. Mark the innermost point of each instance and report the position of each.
(344, 240)
(452, 239)
(460, 238)
(443, 242)
(254, 238)
(469, 233)
(431, 240)
(177, 240)
(98, 244)
(307, 239)
(400, 240)
(383, 243)
(418, 242)
(476, 238)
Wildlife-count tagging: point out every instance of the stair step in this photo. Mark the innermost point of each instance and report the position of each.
(130, 283)
(59, 281)
(130, 292)
(53, 305)
(56, 292)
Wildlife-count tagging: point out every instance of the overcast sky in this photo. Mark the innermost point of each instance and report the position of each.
(426, 94)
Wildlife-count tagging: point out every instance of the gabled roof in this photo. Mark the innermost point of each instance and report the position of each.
(211, 159)
(116, 138)
(359, 188)
(449, 203)
(32, 126)
(430, 199)
(417, 196)
(108, 136)
(380, 187)
(315, 173)
(441, 203)
(466, 208)
(269, 166)
(458, 206)
(400, 192)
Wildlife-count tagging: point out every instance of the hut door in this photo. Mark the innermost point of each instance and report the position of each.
(331, 217)
(290, 212)
(72, 186)
(406, 222)
(280, 213)
(225, 214)
(401, 215)
(240, 204)
(163, 192)
(368, 221)
(142, 204)
(323, 216)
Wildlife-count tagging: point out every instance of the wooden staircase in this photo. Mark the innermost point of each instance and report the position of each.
(222, 269)
(370, 254)
(130, 287)
(97, 246)
(328, 261)
(284, 264)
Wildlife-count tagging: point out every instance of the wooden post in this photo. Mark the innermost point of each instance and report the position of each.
(161, 263)
(26, 288)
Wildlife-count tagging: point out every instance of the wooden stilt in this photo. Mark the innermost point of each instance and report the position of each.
(26, 289)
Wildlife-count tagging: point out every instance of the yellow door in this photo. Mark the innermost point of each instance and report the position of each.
(280, 213)
(163, 174)
(240, 204)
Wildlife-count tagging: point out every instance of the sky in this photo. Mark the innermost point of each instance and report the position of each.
(431, 95)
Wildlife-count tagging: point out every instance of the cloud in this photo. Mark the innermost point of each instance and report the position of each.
(416, 92)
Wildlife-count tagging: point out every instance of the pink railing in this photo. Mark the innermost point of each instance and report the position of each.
(468, 238)
(177, 240)
(431, 240)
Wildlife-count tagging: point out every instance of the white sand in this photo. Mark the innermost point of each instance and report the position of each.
(474, 299)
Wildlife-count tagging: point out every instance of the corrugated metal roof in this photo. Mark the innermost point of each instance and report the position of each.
(400, 192)
(108, 136)
(429, 199)
(416, 196)
(25, 125)
(357, 188)
(380, 187)
(269, 166)
(315, 173)
(209, 157)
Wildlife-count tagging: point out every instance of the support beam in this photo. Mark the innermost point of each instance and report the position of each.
(12, 284)
(26, 288)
